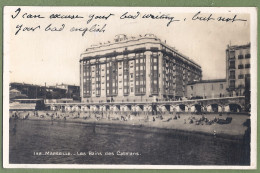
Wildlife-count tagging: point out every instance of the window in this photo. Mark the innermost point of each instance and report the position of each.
(191, 87)
(247, 66)
(247, 75)
(132, 75)
(240, 56)
(240, 66)
(232, 64)
(132, 89)
(241, 76)
(232, 84)
(247, 56)
(232, 75)
(241, 86)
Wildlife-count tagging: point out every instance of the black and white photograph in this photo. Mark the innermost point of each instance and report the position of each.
(130, 87)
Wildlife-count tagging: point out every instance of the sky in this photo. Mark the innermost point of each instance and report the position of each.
(41, 56)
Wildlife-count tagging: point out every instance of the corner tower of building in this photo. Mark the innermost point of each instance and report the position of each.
(135, 70)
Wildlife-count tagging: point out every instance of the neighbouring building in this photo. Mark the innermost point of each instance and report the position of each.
(207, 89)
(237, 68)
(135, 69)
(72, 91)
(31, 91)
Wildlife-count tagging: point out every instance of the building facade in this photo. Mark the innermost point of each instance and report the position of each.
(238, 68)
(134, 70)
(72, 91)
(206, 89)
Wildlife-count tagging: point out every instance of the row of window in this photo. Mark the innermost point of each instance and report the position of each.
(241, 66)
(241, 76)
(242, 56)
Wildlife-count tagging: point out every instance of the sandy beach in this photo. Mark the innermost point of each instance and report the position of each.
(192, 123)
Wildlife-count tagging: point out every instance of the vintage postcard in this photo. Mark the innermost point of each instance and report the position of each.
(130, 87)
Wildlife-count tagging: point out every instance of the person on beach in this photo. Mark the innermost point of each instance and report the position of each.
(214, 132)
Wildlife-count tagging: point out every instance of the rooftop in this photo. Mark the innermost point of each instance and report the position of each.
(124, 39)
(244, 46)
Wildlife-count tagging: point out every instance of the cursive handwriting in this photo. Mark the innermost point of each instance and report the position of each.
(101, 28)
(199, 17)
(26, 15)
(93, 28)
(161, 16)
(93, 16)
(171, 19)
(54, 28)
(61, 16)
(25, 28)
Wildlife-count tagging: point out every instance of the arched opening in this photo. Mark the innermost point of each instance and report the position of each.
(168, 108)
(183, 108)
(198, 108)
(154, 109)
(117, 107)
(214, 107)
(235, 108)
(140, 107)
(97, 108)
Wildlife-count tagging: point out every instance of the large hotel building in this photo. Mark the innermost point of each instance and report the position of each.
(135, 70)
